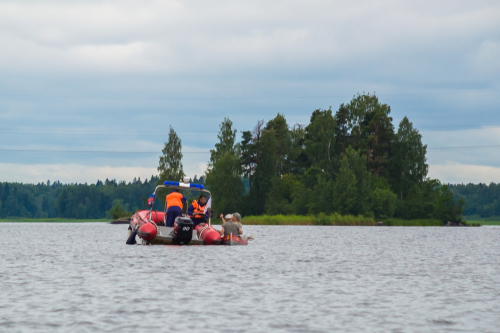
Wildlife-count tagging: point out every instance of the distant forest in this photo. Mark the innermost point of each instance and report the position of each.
(79, 201)
(482, 201)
(349, 161)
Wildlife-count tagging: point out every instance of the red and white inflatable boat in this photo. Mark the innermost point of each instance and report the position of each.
(149, 226)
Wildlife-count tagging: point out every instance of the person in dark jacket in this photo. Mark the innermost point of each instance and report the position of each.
(174, 203)
(197, 211)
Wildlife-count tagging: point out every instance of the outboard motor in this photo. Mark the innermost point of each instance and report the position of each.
(183, 231)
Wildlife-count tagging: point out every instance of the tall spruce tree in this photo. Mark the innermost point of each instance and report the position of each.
(247, 155)
(320, 139)
(265, 171)
(378, 134)
(298, 159)
(408, 162)
(170, 166)
(226, 144)
(224, 172)
(283, 143)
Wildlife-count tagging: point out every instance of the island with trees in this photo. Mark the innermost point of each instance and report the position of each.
(350, 166)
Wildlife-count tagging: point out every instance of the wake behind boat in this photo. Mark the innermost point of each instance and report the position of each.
(149, 226)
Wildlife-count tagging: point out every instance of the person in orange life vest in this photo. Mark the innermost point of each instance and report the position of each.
(197, 210)
(174, 204)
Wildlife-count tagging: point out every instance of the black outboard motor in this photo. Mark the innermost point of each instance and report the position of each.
(183, 231)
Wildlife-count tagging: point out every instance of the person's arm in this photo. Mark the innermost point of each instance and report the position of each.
(190, 210)
(221, 231)
(183, 199)
(240, 230)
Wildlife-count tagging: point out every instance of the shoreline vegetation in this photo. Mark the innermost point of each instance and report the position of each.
(318, 220)
(484, 222)
(339, 220)
(52, 220)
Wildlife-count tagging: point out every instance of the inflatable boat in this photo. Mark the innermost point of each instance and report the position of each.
(149, 226)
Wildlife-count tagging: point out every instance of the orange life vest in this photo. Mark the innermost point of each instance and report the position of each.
(174, 199)
(198, 210)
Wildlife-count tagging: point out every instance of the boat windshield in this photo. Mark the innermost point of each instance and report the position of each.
(178, 186)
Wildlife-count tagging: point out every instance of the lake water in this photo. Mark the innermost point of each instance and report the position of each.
(83, 278)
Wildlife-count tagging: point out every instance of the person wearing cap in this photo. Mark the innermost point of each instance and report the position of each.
(174, 203)
(231, 225)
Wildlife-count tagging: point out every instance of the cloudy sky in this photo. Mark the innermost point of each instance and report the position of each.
(112, 76)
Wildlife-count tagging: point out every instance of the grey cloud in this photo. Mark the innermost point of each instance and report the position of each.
(150, 64)
(193, 36)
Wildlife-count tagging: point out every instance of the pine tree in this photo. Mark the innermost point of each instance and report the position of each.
(224, 172)
(170, 166)
(226, 142)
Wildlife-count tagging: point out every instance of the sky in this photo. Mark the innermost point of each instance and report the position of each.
(82, 81)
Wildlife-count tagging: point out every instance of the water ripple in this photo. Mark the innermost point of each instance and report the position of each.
(83, 278)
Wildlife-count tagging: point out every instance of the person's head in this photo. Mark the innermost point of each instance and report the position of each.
(175, 190)
(237, 217)
(203, 199)
(229, 217)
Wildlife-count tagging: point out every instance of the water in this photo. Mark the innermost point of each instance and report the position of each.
(83, 278)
